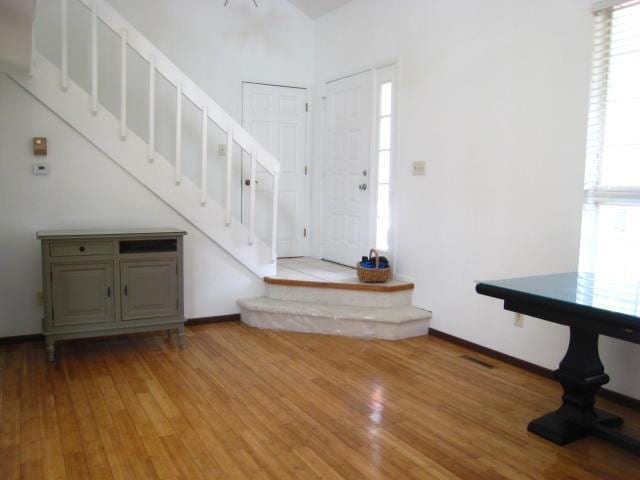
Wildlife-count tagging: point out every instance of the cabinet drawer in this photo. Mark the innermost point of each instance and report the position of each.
(81, 249)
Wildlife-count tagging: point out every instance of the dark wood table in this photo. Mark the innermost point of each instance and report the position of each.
(590, 306)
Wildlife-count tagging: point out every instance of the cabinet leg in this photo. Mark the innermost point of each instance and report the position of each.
(51, 350)
(181, 336)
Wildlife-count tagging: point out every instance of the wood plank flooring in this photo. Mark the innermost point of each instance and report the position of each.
(244, 403)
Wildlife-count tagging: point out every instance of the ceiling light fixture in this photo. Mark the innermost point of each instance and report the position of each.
(255, 2)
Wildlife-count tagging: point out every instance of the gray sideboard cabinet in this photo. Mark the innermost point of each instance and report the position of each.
(108, 282)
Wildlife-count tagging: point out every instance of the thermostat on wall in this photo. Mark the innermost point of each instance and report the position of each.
(40, 168)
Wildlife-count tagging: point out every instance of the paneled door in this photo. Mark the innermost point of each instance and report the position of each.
(349, 106)
(149, 288)
(277, 117)
(82, 293)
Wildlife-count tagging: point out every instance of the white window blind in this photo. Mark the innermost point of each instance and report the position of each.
(610, 241)
(613, 146)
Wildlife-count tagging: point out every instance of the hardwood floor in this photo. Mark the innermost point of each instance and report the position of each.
(245, 403)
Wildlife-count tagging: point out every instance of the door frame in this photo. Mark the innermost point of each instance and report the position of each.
(393, 66)
(306, 194)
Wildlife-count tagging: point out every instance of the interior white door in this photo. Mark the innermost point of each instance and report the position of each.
(347, 163)
(277, 117)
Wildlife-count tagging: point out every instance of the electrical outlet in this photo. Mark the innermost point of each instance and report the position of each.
(418, 168)
(519, 320)
(40, 298)
(222, 149)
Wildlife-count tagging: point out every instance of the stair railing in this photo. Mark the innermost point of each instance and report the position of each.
(158, 62)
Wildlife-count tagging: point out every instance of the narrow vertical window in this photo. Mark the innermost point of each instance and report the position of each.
(385, 139)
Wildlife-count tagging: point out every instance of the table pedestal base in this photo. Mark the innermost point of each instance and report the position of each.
(581, 375)
(561, 431)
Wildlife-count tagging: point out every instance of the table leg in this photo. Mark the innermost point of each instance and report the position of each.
(581, 375)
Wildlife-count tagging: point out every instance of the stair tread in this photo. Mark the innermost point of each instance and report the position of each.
(391, 286)
(399, 314)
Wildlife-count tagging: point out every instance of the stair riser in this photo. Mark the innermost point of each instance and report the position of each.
(334, 326)
(331, 296)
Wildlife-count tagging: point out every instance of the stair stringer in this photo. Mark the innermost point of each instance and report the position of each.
(158, 176)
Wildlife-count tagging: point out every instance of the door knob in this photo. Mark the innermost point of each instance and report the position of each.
(247, 182)
(362, 187)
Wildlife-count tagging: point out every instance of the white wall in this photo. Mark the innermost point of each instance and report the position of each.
(218, 47)
(493, 96)
(85, 189)
(16, 21)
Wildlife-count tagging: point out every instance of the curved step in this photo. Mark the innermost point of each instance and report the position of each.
(339, 296)
(364, 322)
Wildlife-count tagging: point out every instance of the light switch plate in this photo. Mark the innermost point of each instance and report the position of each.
(419, 168)
(40, 168)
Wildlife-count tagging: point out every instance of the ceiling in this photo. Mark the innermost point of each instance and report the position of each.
(317, 8)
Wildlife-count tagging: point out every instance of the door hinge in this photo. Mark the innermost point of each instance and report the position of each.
(306, 107)
(305, 232)
(306, 170)
(176, 268)
(53, 315)
(51, 275)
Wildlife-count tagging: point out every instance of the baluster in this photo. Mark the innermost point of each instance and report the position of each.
(32, 60)
(274, 218)
(229, 159)
(94, 56)
(123, 84)
(152, 108)
(205, 144)
(64, 54)
(252, 197)
(178, 132)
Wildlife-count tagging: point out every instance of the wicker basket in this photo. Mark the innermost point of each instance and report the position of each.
(373, 275)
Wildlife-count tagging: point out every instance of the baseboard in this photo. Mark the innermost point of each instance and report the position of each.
(234, 317)
(607, 394)
(36, 337)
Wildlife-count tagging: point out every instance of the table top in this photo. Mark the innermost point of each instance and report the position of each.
(129, 232)
(577, 292)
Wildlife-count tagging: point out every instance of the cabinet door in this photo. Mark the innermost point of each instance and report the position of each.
(149, 288)
(82, 293)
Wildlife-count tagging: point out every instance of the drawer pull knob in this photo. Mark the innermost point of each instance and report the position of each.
(109, 292)
(82, 249)
(126, 291)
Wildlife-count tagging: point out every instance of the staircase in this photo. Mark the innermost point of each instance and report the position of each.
(139, 157)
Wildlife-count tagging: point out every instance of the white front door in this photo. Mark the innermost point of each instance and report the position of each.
(277, 117)
(347, 163)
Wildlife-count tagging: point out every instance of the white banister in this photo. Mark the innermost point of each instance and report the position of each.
(229, 165)
(205, 144)
(64, 53)
(152, 108)
(94, 56)
(178, 132)
(123, 84)
(274, 218)
(252, 198)
(111, 18)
